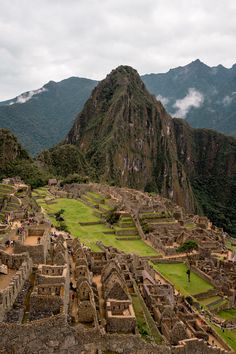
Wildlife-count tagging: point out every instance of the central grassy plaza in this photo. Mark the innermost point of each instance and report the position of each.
(76, 212)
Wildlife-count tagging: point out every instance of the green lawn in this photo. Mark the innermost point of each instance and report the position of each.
(228, 335)
(140, 318)
(230, 246)
(227, 314)
(209, 300)
(76, 211)
(176, 274)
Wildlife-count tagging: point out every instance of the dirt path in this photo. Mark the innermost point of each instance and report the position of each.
(97, 281)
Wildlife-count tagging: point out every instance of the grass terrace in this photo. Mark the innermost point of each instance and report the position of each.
(176, 274)
(209, 300)
(140, 318)
(230, 246)
(77, 212)
(227, 314)
(228, 335)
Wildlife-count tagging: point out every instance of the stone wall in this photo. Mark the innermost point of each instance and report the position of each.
(203, 275)
(36, 252)
(13, 261)
(54, 336)
(196, 346)
(9, 294)
(44, 306)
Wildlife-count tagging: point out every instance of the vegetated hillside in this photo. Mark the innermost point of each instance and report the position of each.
(128, 139)
(42, 118)
(205, 96)
(209, 159)
(15, 161)
(65, 160)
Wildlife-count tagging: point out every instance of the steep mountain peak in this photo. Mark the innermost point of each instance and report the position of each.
(197, 65)
(127, 137)
(193, 68)
(123, 71)
(124, 76)
(197, 62)
(118, 92)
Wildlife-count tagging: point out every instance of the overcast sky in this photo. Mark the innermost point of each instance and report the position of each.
(42, 40)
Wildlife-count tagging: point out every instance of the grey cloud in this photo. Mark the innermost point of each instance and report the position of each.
(27, 96)
(227, 100)
(164, 100)
(193, 99)
(45, 40)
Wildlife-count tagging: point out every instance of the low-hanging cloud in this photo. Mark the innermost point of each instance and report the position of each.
(227, 100)
(164, 100)
(27, 96)
(193, 99)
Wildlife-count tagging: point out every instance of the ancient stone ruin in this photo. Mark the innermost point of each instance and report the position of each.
(59, 296)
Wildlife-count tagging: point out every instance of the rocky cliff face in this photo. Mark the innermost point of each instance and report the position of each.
(209, 159)
(129, 139)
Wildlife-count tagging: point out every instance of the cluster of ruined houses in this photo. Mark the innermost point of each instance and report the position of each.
(221, 273)
(170, 226)
(97, 289)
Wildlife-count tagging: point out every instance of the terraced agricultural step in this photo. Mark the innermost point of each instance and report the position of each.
(87, 223)
(161, 220)
(216, 303)
(8, 188)
(95, 197)
(98, 213)
(126, 232)
(104, 208)
(126, 224)
(89, 202)
(110, 232)
(127, 238)
(146, 216)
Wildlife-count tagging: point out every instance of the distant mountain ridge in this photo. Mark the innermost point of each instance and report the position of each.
(41, 118)
(205, 96)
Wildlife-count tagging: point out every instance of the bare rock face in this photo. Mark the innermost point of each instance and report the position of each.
(129, 139)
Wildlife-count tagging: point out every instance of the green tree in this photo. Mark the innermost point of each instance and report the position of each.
(188, 247)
